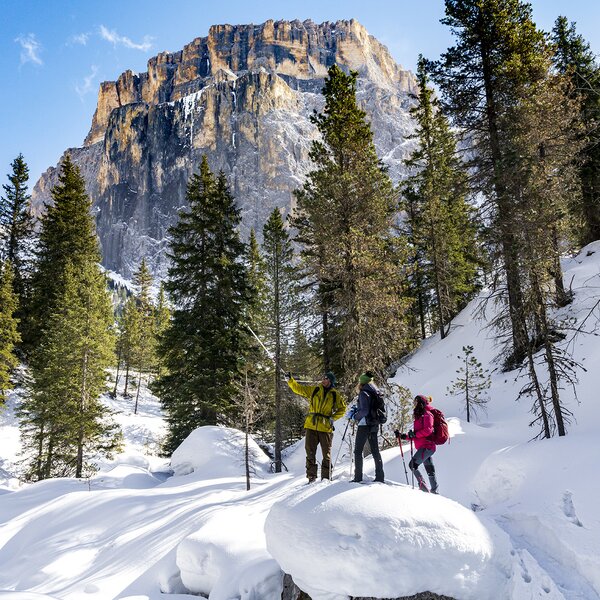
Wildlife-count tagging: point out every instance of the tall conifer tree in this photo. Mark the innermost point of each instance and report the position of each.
(498, 54)
(9, 335)
(573, 57)
(17, 235)
(280, 297)
(345, 218)
(67, 235)
(441, 222)
(208, 285)
(63, 421)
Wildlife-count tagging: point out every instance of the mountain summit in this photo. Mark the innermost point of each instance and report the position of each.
(241, 95)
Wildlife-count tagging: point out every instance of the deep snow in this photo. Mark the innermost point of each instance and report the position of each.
(135, 532)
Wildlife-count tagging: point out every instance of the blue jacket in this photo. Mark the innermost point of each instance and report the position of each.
(364, 402)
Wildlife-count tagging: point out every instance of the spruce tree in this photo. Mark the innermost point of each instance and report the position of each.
(208, 284)
(498, 54)
(146, 346)
(67, 235)
(16, 233)
(345, 220)
(129, 336)
(573, 57)
(280, 293)
(9, 335)
(64, 423)
(162, 318)
(471, 383)
(441, 223)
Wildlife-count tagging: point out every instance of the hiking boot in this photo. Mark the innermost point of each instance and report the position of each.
(378, 480)
(312, 479)
(423, 487)
(433, 484)
(356, 480)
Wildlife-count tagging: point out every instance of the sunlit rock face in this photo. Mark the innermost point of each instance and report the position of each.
(243, 96)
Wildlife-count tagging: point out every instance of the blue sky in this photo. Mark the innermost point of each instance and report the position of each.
(54, 53)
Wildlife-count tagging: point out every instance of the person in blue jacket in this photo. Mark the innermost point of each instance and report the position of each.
(367, 428)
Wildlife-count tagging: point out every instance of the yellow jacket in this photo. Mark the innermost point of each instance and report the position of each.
(324, 407)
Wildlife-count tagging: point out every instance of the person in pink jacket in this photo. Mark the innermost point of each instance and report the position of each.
(422, 429)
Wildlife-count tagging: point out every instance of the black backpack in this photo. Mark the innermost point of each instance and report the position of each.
(378, 411)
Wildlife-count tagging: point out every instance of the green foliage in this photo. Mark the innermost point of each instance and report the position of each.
(351, 257)
(281, 288)
(17, 235)
(9, 335)
(63, 422)
(471, 383)
(574, 58)
(67, 235)
(208, 284)
(441, 224)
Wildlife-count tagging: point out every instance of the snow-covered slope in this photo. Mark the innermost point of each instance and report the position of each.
(518, 520)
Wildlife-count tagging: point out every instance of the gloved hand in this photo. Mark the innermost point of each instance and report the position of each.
(352, 412)
(288, 375)
(402, 436)
(410, 434)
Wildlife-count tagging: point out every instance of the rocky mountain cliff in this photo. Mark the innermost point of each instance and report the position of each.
(242, 96)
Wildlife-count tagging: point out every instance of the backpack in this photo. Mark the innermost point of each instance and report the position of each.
(378, 411)
(440, 428)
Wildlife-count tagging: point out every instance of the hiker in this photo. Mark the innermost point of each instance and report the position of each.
(325, 405)
(367, 428)
(421, 431)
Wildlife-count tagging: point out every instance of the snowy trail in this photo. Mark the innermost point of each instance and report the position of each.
(81, 538)
(529, 536)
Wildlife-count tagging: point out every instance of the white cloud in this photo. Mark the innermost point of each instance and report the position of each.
(115, 39)
(79, 38)
(87, 85)
(30, 49)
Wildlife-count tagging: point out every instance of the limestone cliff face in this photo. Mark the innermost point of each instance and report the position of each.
(242, 96)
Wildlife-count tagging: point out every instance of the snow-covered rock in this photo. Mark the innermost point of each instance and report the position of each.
(378, 540)
(212, 452)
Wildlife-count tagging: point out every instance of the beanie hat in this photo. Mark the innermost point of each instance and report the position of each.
(331, 378)
(424, 400)
(366, 378)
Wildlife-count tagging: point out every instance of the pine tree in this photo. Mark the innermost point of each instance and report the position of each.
(162, 318)
(498, 54)
(129, 337)
(9, 335)
(573, 57)
(16, 233)
(472, 382)
(67, 235)
(441, 223)
(146, 346)
(63, 421)
(258, 366)
(280, 292)
(502, 91)
(345, 221)
(208, 285)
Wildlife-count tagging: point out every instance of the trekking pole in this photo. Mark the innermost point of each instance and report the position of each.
(271, 358)
(340, 449)
(397, 433)
(412, 473)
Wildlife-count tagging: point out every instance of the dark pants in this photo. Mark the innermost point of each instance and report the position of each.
(364, 433)
(423, 456)
(312, 439)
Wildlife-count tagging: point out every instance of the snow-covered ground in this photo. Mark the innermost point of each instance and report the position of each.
(516, 519)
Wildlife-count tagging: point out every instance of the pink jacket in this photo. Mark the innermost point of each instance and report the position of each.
(423, 428)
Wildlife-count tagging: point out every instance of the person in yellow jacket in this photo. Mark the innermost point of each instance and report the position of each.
(325, 405)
